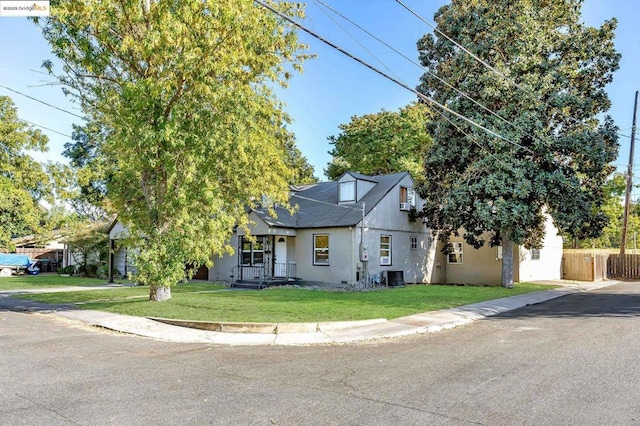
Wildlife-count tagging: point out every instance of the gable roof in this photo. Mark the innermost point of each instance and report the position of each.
(317, 205)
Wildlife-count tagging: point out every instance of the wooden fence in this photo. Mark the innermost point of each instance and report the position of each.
(584, 266)
(624, 266)
(600, 266)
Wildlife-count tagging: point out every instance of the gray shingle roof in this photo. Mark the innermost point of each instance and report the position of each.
(318, 204)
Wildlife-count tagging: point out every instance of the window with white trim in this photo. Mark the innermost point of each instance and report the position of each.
(385, 249)
(535, 254)
(413, 242)
(407, 198)
(456, 254)
(347, 191)
(320, 249)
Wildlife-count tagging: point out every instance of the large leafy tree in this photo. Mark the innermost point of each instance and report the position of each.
(23, 181)
(556, 151)
(302, 171)
(385, 142)
(195, 133)
(613, 209)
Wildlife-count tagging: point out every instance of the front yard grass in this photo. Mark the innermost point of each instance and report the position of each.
(283, 304)
(30, 282)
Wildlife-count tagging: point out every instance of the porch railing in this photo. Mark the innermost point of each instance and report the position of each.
(245, 272)
(263, 272)
(284, 270)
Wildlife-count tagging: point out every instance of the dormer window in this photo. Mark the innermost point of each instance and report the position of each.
(347, 191)
(407, 198)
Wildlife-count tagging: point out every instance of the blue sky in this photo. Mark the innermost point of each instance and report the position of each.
(333, 87)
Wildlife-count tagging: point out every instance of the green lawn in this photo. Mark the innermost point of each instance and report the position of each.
(284, 304)
(29, 282)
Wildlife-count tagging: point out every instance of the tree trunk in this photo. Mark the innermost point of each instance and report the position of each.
(507, 263)
(159, 293)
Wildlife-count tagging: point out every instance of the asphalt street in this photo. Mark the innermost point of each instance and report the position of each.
(571, 360)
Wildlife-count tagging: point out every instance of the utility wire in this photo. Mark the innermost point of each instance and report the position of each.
(46, 128)
(460, 46)
(42, 102)
(441, 80)
(352, 37)
(484, 63)
(376, 70)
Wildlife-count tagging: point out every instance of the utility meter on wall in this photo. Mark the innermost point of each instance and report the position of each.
(364, 253)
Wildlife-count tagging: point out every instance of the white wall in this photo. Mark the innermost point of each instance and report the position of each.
(549, 266)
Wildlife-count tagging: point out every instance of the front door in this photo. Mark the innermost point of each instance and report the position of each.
(280, 257)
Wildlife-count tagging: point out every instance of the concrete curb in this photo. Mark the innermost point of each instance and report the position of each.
(296, 334)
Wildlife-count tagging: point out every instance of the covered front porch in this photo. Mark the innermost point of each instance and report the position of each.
(265, 260)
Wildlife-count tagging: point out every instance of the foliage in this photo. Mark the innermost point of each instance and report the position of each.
(613, 209)
(88, 243)
(285, 304)
(23, 182)
(557, 154)
(298, 164)
(82, 184)
(68, 270)
(183, 89)
(385, 142)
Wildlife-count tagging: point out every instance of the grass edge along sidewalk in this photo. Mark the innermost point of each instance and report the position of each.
(211, 302)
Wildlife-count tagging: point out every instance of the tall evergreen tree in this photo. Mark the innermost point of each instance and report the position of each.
(557, 152)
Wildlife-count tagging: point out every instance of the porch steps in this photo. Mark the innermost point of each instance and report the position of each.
(260, 284)
(250, 284)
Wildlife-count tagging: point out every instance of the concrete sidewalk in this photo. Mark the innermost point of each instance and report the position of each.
(301, 333)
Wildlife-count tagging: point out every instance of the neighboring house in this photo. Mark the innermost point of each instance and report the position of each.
(119, 257)
(467, 265)
(321, 241)
(52, 253)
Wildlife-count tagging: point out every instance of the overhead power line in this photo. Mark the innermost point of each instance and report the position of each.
(487, 65)
(350, 35)
(477, 58)
(441, 80)
(42, 102)
(376, 70)
(47, 128)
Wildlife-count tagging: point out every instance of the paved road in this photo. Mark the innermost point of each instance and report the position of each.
(572, 360)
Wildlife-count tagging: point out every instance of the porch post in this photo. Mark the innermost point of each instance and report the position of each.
(239, 262)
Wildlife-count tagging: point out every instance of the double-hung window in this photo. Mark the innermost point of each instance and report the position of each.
(407, 198)
(414, 242)
(535, 254)
(385, 249)
(321, 249)
(253, 252)
(456, 253)
(347, 191)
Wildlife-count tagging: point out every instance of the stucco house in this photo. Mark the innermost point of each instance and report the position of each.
(357, 231)
(484, 265)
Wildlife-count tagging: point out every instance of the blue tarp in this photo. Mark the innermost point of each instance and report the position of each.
(15, 260)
